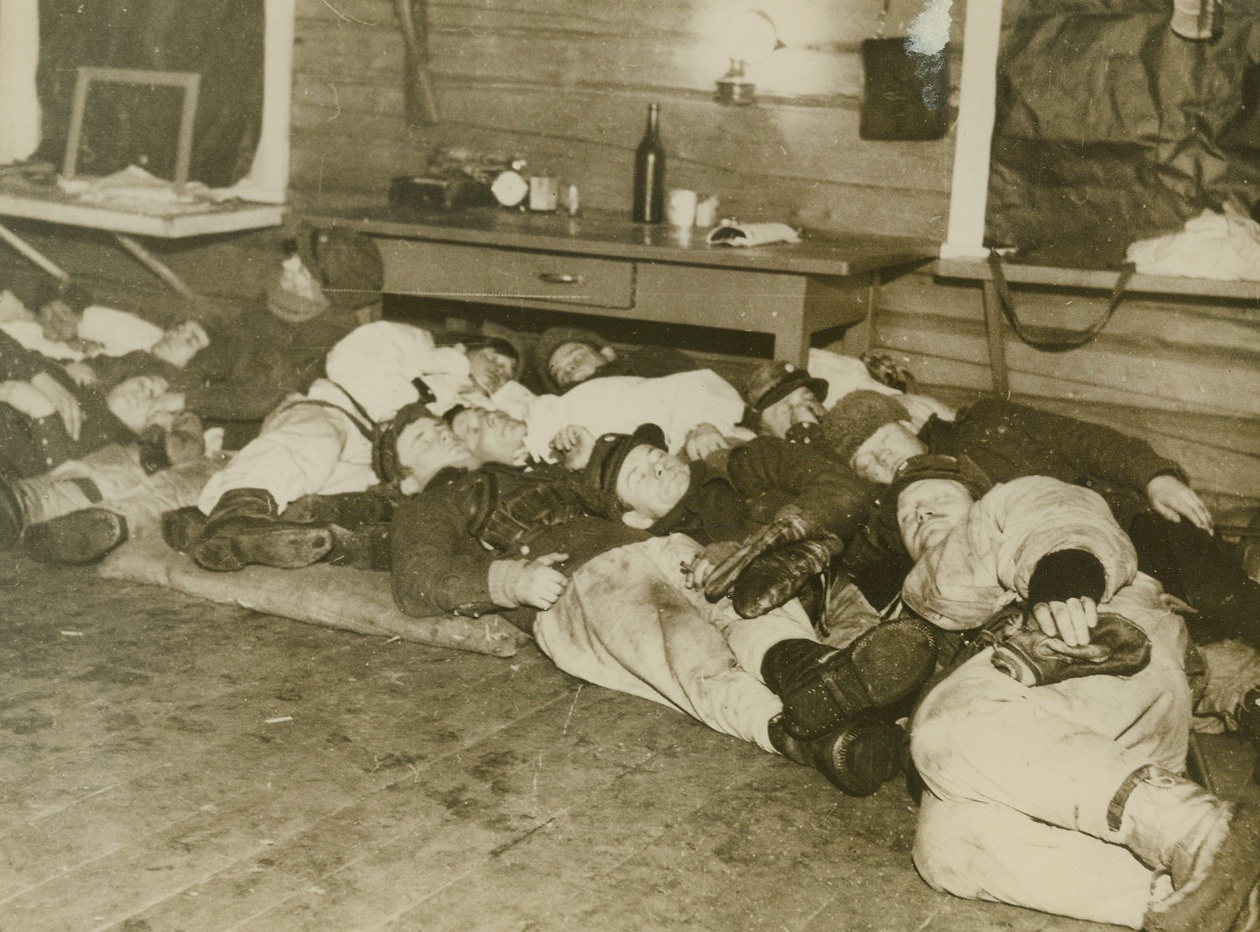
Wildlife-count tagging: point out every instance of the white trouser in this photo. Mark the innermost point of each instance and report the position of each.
(122, 484)
(302, 449)
(1020, 779)
(627, 622)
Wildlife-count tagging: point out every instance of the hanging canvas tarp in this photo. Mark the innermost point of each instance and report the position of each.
(1111, 128)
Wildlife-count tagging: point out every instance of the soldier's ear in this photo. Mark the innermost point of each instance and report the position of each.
(608, 353)
(636, 519)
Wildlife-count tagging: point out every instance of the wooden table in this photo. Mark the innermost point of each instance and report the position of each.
(176, 221)
(602, 264)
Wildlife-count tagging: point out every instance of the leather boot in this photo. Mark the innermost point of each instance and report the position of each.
(367, 548)
(182, 526)
(774, 577)
(1248, 716)
(824, 687)
(245, 528)
(1210, 848)
(350, 510)
(857, 758)
(78, 538)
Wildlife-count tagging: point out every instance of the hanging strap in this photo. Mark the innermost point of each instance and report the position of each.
(1060, 339)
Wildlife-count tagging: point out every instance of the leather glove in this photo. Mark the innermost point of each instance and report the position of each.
(773, 578)
(1117, 647)
(789, 525)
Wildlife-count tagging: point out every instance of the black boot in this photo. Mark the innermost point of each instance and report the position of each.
(824, 687)
(245, 528)
(182, 526)
(350, 510)
(367, 548)
(1248, 716)
(857, 757)
(79, 538)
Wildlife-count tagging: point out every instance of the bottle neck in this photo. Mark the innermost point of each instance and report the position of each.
(652, 120)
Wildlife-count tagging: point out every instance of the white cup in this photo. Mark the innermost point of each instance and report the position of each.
(544, 193)
(680, 208)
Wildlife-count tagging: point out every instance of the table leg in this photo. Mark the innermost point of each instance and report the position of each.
(791, 337)
(859, 336)
(997, 347)
(154, 265)
(34, 255)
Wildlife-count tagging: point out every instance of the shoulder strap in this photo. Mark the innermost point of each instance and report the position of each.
(368, 432)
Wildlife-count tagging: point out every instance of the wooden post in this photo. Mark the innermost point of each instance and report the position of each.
(969, 189)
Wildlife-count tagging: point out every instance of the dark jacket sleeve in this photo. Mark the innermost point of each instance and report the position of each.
(438, 567)
(1102, 453)
(17, 363)
(828, 493)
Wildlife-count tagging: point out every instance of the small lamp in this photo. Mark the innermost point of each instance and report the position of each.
(751, 38)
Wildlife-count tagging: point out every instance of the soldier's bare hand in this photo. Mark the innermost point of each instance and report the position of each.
(573, 446)
(1071, 621)
(1174, 500)
(540, 583)
(702, 441)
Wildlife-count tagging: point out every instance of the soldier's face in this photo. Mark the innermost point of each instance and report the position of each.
(652, 482)
(492, 436)
(883, 452)
(929, 509)
(797, 407)
(572, 363)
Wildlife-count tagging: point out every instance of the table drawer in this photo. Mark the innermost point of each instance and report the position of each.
(504, 276)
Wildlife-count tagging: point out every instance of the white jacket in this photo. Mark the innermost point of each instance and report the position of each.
(987, 560)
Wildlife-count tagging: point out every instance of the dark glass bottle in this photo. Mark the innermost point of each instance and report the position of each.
(649, 173)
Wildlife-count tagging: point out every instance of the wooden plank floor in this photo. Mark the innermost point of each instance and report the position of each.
(143, 787)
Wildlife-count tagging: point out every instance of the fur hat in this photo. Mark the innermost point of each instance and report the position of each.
(856, 417)
(346, 264)
(611, 451)
(774, 381)
(385, 446)
(551, 340)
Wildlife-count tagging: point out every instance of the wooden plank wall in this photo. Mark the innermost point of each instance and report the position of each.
(565, 85)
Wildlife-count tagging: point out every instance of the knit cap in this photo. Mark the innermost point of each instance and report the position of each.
(856, 417)
(385, 446)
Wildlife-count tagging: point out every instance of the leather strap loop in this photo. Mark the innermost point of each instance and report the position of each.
(1060, 339)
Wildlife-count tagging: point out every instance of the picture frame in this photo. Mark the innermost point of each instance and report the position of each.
(190, 82)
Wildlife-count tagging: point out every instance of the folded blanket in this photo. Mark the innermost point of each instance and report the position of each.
(333, 596)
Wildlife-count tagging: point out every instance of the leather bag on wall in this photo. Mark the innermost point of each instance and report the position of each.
(904, 96)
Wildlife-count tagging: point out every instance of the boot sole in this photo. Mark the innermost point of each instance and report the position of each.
(883, 666)
(78, 538)
(181, 527)
(282, 548)
(865, 757)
